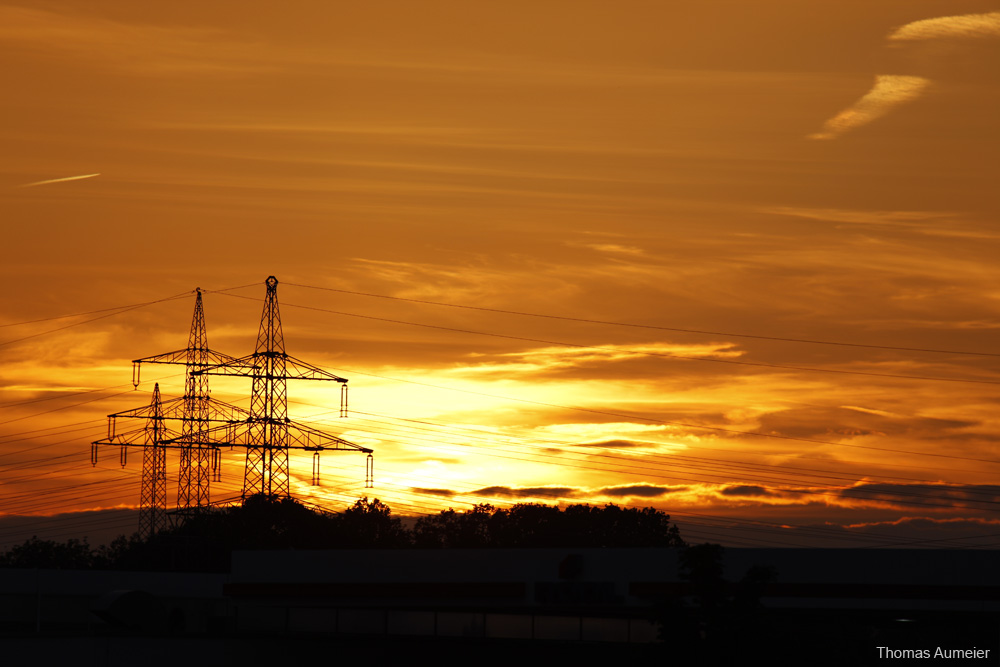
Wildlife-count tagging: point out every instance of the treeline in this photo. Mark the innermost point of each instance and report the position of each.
(206, 539)
(539, 526)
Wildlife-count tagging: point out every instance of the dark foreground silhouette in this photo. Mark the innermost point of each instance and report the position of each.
(204, 541)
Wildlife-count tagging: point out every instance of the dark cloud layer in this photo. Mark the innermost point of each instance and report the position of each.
(553, 492)
(980, 496)
(746, 490)
(445, 493)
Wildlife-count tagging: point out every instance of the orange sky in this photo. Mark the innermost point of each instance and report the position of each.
(821, 170)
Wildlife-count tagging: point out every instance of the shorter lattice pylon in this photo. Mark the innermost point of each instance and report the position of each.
(155, 437)
(151, 437)
(153, 494)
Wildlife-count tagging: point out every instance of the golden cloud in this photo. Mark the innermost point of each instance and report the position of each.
(889, 91)
(944, 27)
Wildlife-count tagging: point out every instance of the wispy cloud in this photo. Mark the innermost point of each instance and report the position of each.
(58, 180)
(948, 224)
(944, 27)
(614, 248)
(550, 359)
(889, 91)
(136, 47)
(863, 217)
(892, 90)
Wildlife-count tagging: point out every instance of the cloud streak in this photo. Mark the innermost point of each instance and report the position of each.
(135, 47)
(892, 90)
(889, 92)
(966, 26)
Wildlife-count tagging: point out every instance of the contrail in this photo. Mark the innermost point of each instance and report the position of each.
(58, 180)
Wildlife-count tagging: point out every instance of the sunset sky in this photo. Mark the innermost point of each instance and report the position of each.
(723, 173)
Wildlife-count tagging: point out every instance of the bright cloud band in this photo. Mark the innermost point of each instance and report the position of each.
(889, 91)
(964, 26)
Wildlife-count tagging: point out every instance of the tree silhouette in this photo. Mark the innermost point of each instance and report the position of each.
(371, 525)
(530, 525)
(205, 540)
(70, 555)
(455, 530)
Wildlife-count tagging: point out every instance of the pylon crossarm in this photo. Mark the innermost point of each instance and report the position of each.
(175, 357)
(210, 357)
(242, 366)
(231, 434)
(136, 438)
(182, 357)
(256, 364)
(299, 437)
(305, 437)
(215, 411)
(296, 369)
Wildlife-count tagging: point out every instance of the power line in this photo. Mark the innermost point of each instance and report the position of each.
(632, 467)
(678, 460)
(124, 308)
(117, 311)
(58, 396)
(758, 364)
(66, 407)
(94, 319)
(672, 457)
(675, 423)
(782, 339)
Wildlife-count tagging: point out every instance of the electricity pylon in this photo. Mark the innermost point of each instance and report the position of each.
(268, 434)
(199, 456)
(195, 411)
(153, 492)
(155, 437)
(265, 431)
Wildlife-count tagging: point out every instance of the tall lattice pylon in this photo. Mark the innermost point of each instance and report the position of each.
(199, 459)
(194, 480)
(199, 456)
(195, 411)
(267, 456)
(269, 433)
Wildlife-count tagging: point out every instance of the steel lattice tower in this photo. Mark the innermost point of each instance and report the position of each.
(153, 494)
(195, 411)
(197, 456)
(269, 433)
(199, 459)
(265, 431)
(267, 453)
(153, 437)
